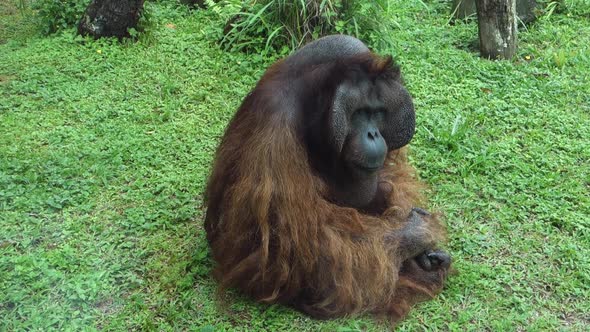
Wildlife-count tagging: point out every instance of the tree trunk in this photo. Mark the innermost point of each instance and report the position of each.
(110, 18)
(497, 28)
(525, 9)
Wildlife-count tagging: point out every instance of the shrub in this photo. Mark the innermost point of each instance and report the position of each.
(282, 25)
(55, 15)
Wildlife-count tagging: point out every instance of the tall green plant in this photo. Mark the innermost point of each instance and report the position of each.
(281, 25)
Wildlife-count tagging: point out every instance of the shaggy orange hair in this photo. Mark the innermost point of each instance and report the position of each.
(276, 235)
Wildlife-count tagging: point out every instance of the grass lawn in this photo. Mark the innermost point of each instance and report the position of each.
(105, 149)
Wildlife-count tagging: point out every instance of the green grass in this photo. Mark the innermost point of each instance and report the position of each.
(105, 149)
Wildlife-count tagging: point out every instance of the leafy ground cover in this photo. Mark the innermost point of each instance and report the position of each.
(105, 149)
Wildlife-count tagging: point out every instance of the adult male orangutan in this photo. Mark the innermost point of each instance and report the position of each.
(311, 201)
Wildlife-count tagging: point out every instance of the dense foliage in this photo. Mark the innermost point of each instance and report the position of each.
(285, 25)
(55, 15)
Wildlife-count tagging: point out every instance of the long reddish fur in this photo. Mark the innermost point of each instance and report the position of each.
(274, 232)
